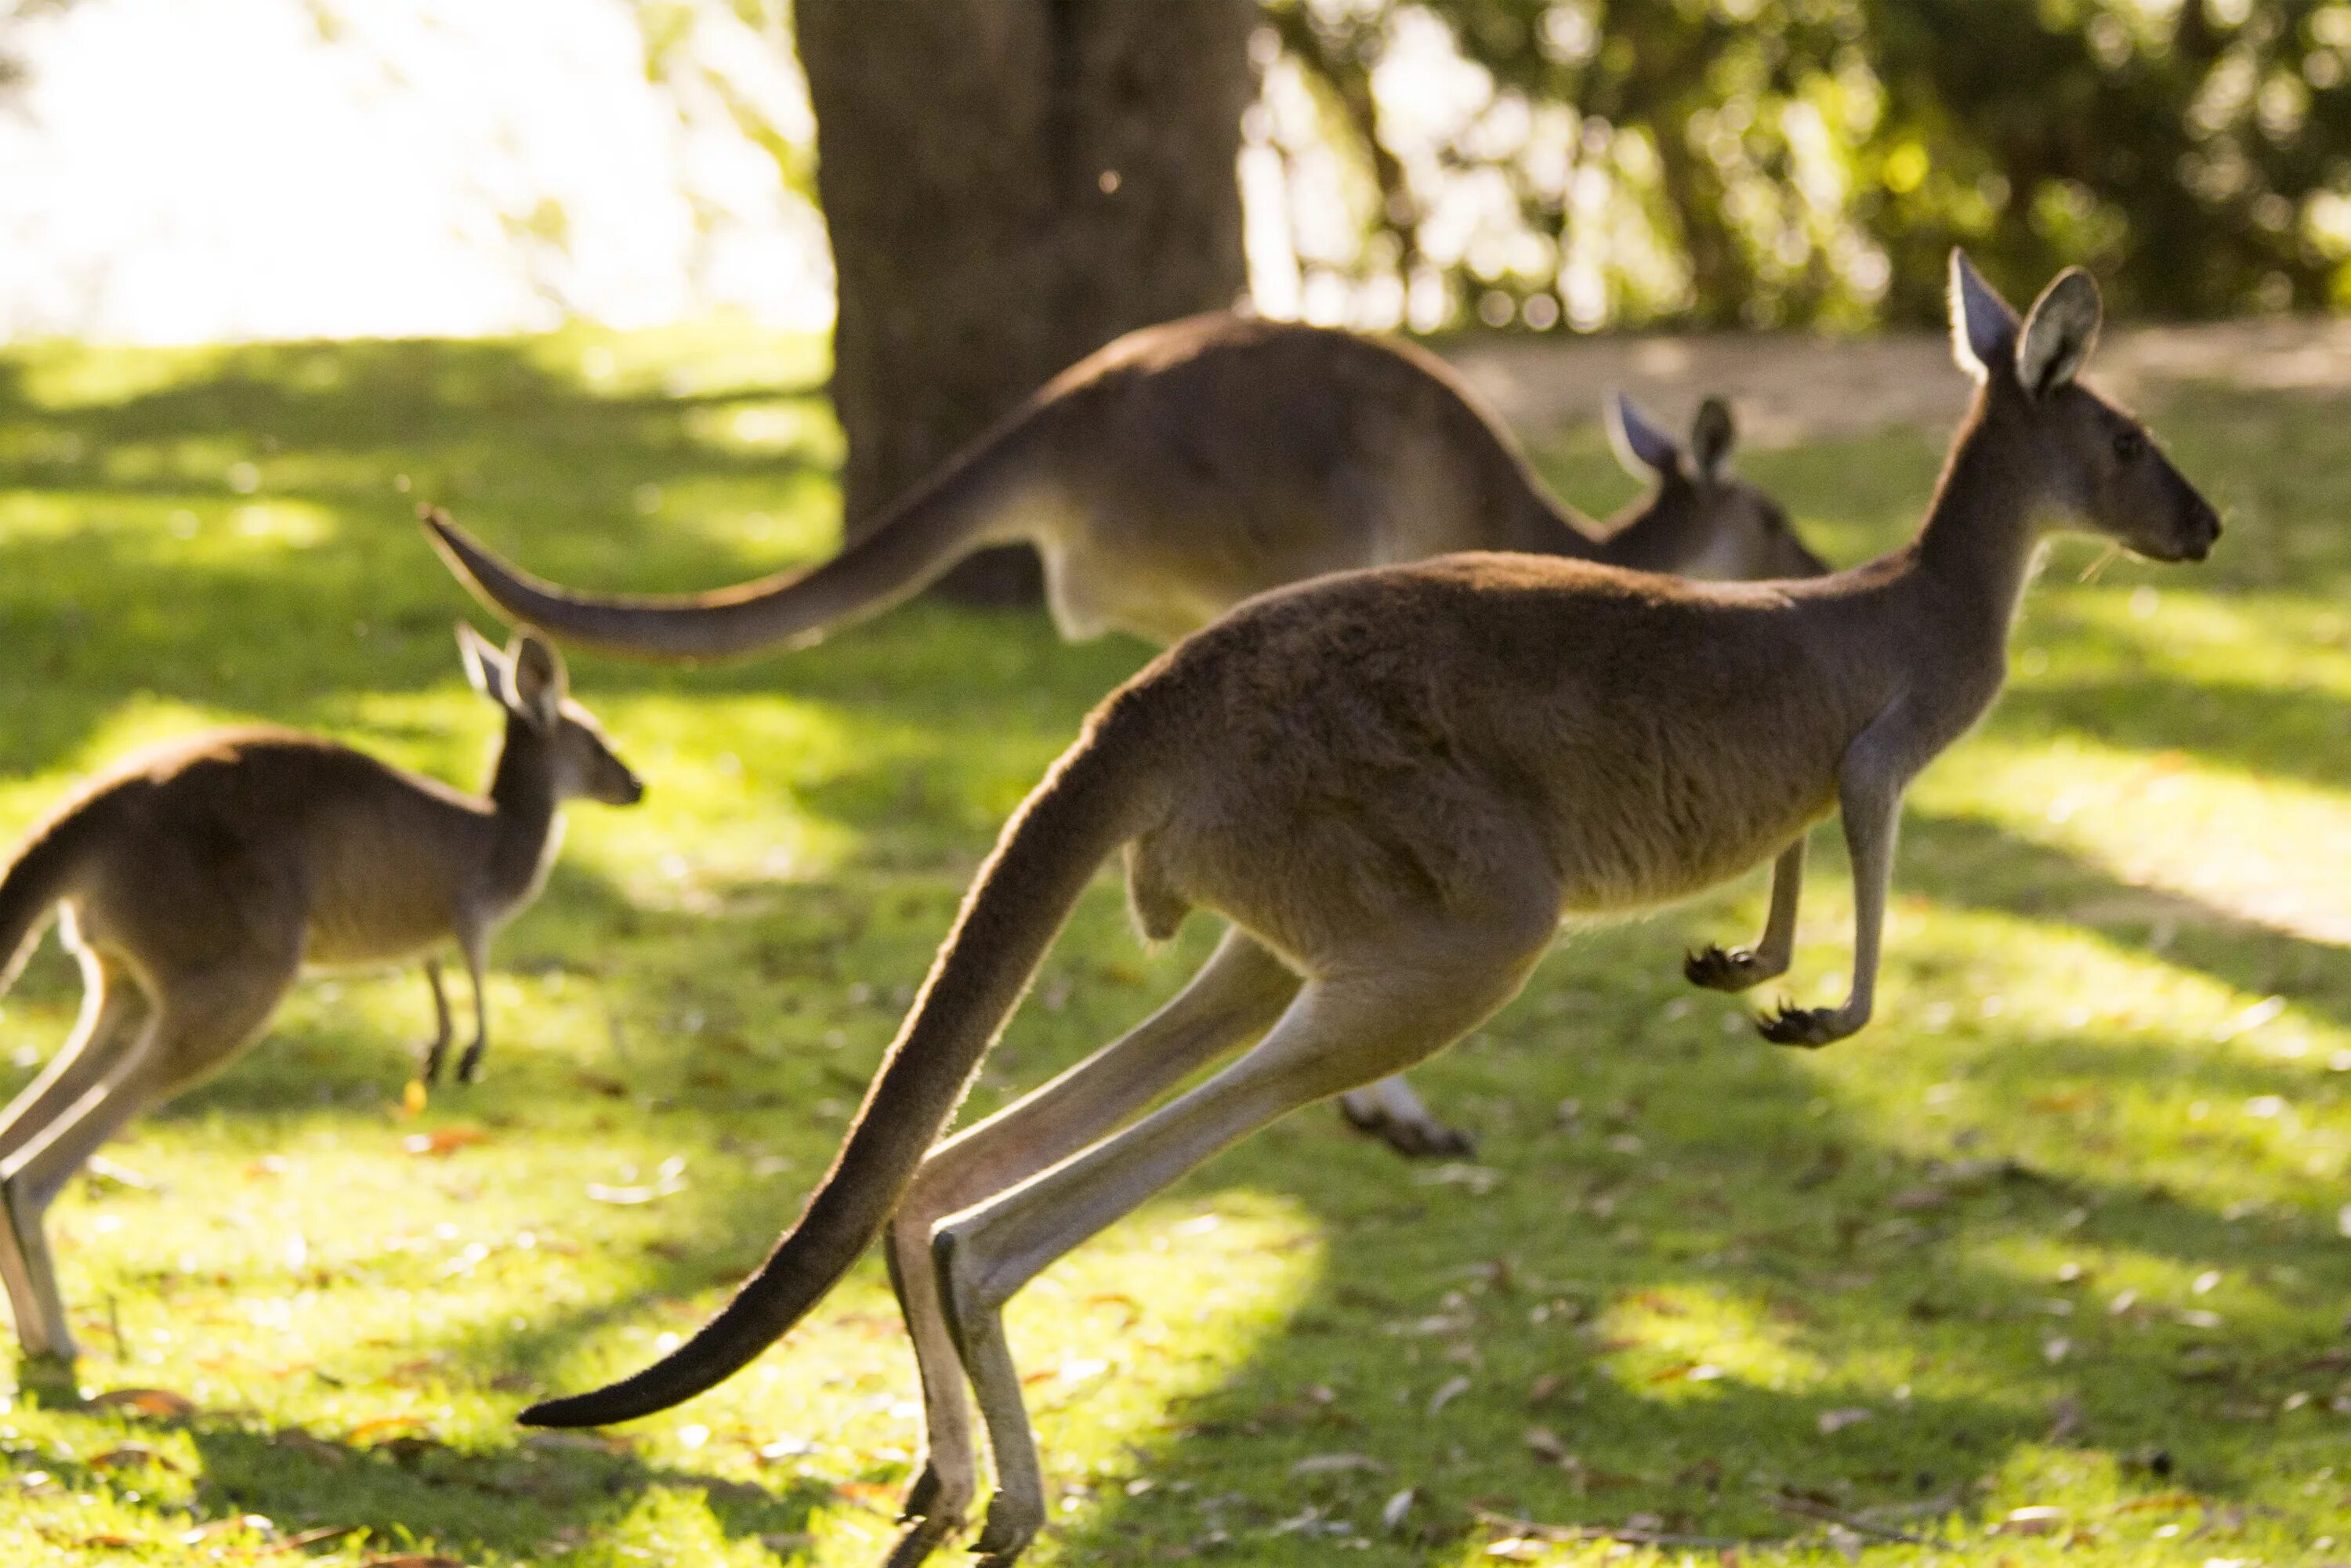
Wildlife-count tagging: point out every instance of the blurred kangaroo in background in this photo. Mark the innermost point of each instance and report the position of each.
(198, 878)
(1188, 466)
(1391, 784)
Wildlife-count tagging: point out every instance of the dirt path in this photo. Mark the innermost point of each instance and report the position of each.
(1790, 388)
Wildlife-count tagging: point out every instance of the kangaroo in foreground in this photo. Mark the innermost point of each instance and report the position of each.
(199, 877)
(1391, 784)
(1188, 466)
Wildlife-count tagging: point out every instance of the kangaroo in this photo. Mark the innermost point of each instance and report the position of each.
(1188, 466)
(198, 878)
(1391, 784)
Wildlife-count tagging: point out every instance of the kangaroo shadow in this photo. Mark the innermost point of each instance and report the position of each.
(517, 1502)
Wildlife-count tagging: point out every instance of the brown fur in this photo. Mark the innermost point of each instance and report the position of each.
(198, 878)
(1393, 783)
(1186, 467)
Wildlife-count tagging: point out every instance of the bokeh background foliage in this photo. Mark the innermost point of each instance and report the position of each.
(1769, 161)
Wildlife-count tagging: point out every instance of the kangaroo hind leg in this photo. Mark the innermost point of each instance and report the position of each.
(189, 1033)
(1388, 1010)
(110, 1002)
(1234, 998)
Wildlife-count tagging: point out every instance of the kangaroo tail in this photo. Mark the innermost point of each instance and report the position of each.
(966, 505)
(31, 886)
(1094, 799)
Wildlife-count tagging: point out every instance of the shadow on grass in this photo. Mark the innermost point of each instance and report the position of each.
(515, 1500)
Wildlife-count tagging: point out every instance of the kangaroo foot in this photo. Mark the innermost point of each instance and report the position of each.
(922, 1536)
(1718, 970)
(1421, 1137)
(1012, 1524)
(1809, 1028)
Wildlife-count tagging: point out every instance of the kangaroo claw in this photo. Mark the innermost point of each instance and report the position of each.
(1011, 1526)
(1718, 970)
(1809, 1028)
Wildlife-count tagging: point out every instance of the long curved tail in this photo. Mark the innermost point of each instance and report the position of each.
(1094, 799)
(975, 501)
(31, 887)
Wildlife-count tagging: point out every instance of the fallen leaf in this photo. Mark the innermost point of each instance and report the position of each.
(1838, 1420)
(159, 1403)
(1392, 1513)
(2035, 1519)
(2161, 1502)
(599, 1192)
(1543, 1387)
(1916, 1198)
(443, 1140)
(412, 1559)
(598, 1084)
(1544, 1444)
(412, 1095)
(235, 1524)
(130, 1454)
(393, 1422)
(1336, 1464)
(1447, 1392)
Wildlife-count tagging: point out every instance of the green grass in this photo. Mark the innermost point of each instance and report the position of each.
(2062, 1223)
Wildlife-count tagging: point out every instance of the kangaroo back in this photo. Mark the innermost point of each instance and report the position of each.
(975, 501)
(1093, 800)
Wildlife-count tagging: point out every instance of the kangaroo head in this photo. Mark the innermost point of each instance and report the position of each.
(2096, 466)
(528, 680)
(1703, 521)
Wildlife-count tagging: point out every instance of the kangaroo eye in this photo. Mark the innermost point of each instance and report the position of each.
(2128, 444)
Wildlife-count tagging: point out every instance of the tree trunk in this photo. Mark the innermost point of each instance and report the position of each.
(1008, 185)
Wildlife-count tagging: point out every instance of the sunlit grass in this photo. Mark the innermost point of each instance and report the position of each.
(2059, 1232)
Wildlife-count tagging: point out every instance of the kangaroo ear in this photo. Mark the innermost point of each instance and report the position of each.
(2060, 332)
(1712, 436)
(536, 680)
(1983, 329)
(1646, 451)
(485, 667)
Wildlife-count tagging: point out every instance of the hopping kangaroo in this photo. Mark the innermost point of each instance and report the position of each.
(1188, 466)
(199, 877)
(1391, 784)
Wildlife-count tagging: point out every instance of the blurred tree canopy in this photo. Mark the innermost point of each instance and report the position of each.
(1768, 161)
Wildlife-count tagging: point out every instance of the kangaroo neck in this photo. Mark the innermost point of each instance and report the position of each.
(523, 812)
(1654, 535)
(1975, 551)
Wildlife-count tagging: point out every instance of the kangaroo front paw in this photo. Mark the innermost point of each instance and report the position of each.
(1809, 1028)
(469, 1066)
(1414, 1137)
(1012, 1524)
(1718, 971)
(429, 1060)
